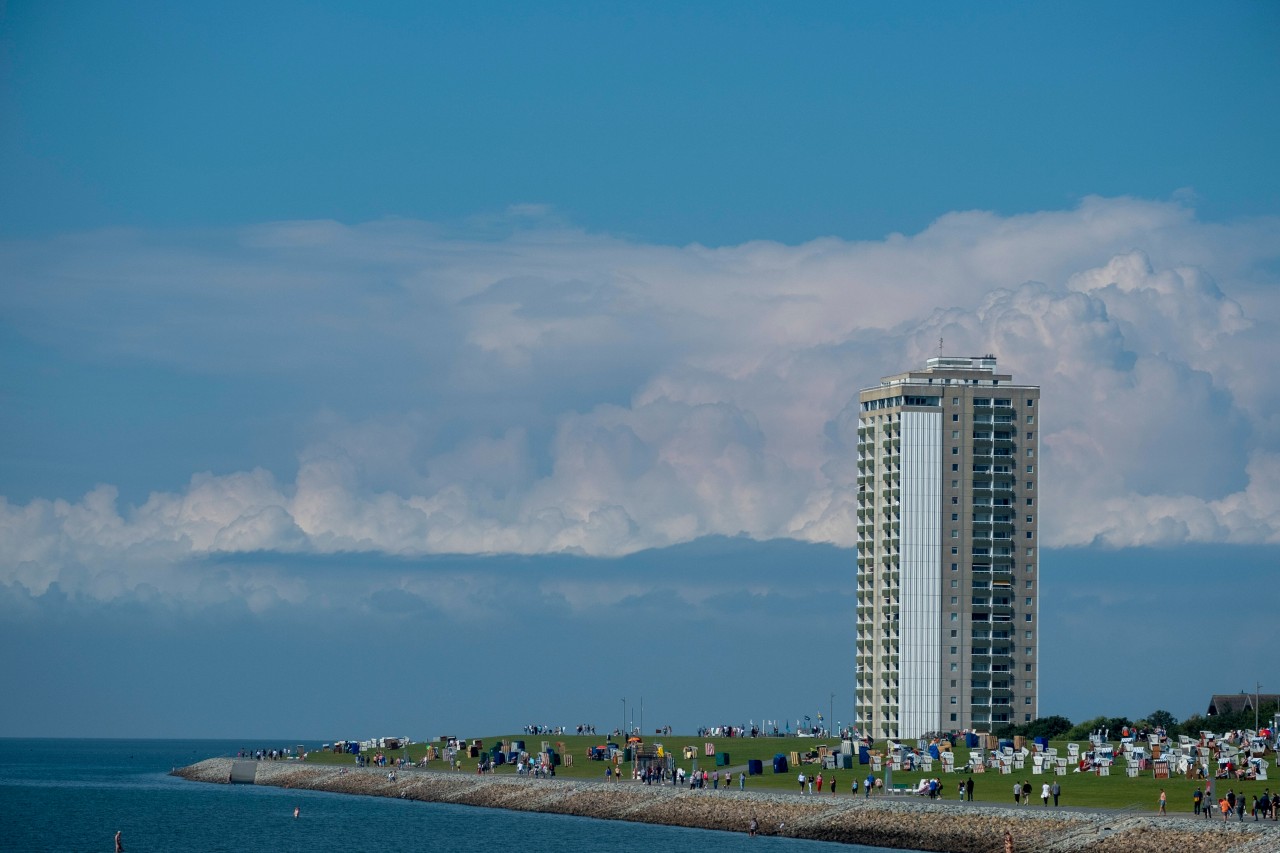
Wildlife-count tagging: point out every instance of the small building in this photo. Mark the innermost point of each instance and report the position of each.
(1231, 703)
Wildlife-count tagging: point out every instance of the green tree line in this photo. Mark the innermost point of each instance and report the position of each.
(1060, 728)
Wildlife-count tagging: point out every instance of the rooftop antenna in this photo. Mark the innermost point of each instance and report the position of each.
(939, 346)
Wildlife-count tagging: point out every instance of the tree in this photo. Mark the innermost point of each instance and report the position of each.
(1052, 727)
(1162, 719)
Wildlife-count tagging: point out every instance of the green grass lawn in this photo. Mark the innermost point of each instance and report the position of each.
(1078, 789)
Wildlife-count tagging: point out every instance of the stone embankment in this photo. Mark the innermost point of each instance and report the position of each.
(883, 822)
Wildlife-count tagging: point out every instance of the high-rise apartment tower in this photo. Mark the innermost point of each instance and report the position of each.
(948, 588)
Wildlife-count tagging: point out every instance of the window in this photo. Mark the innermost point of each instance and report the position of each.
(954, 666)
(1025, 717)
(1026, 701)
(954, 499)
(955, 617)
(1028, 685)
(955, 534)
(955, 418)
(1028, 602)
(1030, 651)
(1029, 583)
(953, 681)
(955, 600)
(1030, 485)
(955, 516)
(1026, 618)
(955, 451)
(1030, 436)
(953, 718)
(955, 467)
(954, 566)
(1031, 419)
(954, 583)
(955, 401)
(1031, 469)
(953, 648)
(1031, 501)
(1030, 519)
(1026, 635)
(1031, 552)
(1028, 534)
(955, 434)
(1031, 451)
(1031, 403)
(1028, 667)
(954, 551)
(955, 484)
(953, 700)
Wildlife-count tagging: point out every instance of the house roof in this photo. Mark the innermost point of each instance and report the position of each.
(1230, 703)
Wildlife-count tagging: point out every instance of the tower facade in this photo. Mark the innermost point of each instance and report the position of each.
(948, 553)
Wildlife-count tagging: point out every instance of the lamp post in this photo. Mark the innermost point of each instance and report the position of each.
(1257, 694)
(622, 729)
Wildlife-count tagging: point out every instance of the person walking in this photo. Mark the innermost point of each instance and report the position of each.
(1163, 800)
(1196, 799)
(742, 781)
(800, 779)
(1017, 793)
(871, 783)
(968, 789)
(1044, 793)
(1026, 792)
(1056, 790)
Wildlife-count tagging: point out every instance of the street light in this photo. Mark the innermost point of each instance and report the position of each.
(622, 729)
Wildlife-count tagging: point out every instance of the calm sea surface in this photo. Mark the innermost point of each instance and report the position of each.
(72, 795)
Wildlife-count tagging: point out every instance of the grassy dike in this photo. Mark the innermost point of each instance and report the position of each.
(890, 821)
(1078, 789)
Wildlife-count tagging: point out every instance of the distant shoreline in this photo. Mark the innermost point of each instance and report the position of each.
(880, 822)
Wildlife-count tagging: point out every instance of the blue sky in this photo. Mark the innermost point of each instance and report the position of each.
(387, 335)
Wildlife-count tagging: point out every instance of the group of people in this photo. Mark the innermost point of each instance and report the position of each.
(1022, 792)
(700, 779)
(1265, 806)
(811, 781)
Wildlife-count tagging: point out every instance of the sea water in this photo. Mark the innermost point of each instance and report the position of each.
(73, 795)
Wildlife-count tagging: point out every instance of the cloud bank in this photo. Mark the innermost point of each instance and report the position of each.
(518, 386)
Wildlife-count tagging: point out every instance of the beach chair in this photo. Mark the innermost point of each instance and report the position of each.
(1062, 767)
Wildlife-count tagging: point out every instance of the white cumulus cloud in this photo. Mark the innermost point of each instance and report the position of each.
(561, 391)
